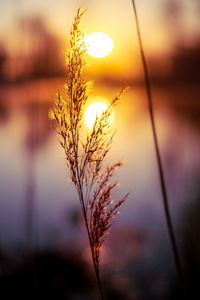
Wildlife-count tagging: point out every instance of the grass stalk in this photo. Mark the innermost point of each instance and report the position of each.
(85, 157)
(90, 242)
(158, 156)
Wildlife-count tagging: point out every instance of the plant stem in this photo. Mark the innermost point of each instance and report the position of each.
(158, 156)
(81, 197)
(93, 259)
(89, 237)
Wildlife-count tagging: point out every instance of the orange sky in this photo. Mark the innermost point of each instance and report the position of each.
(114, 17)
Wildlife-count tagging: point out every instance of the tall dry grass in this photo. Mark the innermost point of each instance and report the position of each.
(85, 158)
(158, 157)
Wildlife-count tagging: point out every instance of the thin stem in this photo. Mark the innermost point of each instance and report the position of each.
(81, 197)
(158, 156)
(89, 237)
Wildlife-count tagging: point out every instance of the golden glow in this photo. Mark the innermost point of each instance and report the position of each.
(99, 44)
(93, 110)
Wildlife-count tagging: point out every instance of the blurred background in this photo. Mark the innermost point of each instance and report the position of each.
(43, 244)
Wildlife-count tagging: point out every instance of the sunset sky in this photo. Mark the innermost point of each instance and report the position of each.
(115, 17)
(161, 31)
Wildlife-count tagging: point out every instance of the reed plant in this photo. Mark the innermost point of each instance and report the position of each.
(170, 228)
(85, 158)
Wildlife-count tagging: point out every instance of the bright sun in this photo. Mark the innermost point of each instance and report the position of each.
(93, 110)
(98, 44)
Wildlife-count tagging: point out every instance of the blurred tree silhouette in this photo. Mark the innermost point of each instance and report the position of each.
(190, 228)
(3, 58)
(44, 55)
